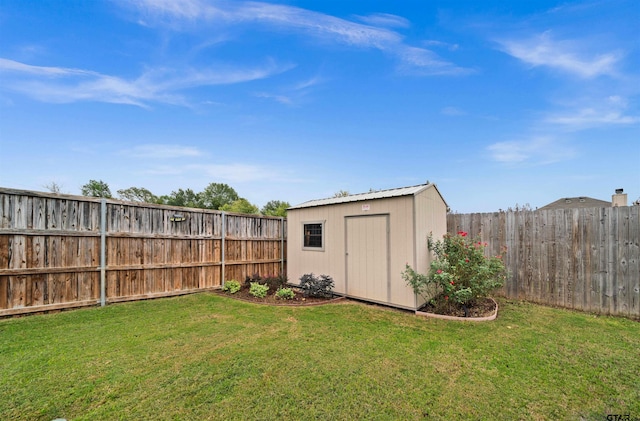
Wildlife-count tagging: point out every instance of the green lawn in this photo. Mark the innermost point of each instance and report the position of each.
(204, 356)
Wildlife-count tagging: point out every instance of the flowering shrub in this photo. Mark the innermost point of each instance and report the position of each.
(460, 272)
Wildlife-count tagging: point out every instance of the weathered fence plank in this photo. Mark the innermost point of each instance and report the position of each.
(624, 277)
(612, 251)
(587, 259)
(634, 260)
(50, 250)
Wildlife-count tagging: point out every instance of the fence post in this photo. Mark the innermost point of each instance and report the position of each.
(282, 246)
(103, 251)
(224, 231)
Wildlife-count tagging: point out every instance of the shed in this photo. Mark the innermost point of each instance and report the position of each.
(363, 241)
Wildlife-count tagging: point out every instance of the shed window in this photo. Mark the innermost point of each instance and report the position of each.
(313, 236)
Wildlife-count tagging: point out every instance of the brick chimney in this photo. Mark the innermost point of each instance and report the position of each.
(619, 199)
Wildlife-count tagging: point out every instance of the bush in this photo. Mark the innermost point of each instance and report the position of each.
(313, 286)
(460, 272)
(276, 282)
(253, 278)
(285, 293)
(258, 290)
(231, 287)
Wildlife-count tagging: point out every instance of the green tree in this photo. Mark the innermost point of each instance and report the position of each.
(187, 198)
(216, 195)
(96, 189)
(138, 194)
(241, 206)
(341, 193)
(275, 208)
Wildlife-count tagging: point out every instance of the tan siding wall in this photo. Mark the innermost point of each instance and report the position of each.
(402, 250)
(325, 262)
(402, 239)
(431, 218)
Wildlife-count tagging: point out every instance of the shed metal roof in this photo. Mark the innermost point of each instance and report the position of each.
(380, 194)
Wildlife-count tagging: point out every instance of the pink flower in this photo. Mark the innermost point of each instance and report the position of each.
(452, 283)
(466, 260)
(462, 233)
(446, 297)
(439, 271)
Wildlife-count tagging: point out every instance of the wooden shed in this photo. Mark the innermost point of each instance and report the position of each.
(363, 241)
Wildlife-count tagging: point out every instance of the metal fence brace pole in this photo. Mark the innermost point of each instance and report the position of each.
(282, 246)
(103, 251)
(224, 231)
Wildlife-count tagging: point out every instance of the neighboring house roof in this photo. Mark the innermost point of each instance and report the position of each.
(577, 202)
(380, 194)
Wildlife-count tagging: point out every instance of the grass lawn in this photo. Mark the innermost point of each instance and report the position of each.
(204, 356)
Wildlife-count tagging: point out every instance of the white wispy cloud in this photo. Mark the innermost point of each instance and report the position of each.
(313, 23)
(308, 83)
(293, 94)
(540, 150)
(236, 172)
(160, 85)
(590, 117)
(570, 56)
(442, 44)
(425, 62)
(452, 111)
(162, 151)
(17, 67)
(283, 99)
(187, 9)
(374, 34)
(228, 173)
(384, 19)
(604, 112)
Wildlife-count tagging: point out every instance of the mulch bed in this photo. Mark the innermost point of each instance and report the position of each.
(483, 307)
(271, 299)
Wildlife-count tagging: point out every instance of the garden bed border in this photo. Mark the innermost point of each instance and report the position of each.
(463, 319)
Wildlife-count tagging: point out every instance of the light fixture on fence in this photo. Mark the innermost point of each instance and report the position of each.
(178, 217)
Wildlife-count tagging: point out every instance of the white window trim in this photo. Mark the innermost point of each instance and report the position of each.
(322, 224)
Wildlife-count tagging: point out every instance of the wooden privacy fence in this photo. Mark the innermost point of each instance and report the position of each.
(59, 251)
(586, 259)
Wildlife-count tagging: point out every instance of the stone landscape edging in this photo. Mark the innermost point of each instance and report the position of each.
(462, 319)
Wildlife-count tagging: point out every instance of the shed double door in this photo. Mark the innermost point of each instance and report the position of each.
(367, 257)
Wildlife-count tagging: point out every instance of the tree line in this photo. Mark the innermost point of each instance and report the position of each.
(218, 196)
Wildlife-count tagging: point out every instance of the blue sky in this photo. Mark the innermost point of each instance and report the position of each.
(499, 103)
